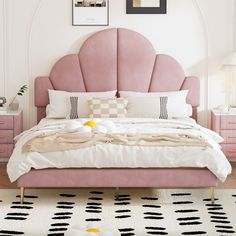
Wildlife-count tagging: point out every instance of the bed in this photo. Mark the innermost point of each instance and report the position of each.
(117, 59)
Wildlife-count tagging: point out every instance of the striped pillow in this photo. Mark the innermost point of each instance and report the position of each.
(148, 107)
(176, 106)
(73, 107)
(163, 108)
(108, 107)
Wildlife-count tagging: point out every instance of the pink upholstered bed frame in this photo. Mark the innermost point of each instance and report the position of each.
(117, 59)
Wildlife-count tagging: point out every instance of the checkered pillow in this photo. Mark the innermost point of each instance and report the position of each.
(108, 107)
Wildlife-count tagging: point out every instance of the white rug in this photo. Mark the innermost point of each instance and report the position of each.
(137, 212)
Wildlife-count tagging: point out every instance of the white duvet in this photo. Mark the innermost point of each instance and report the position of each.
(121, 156)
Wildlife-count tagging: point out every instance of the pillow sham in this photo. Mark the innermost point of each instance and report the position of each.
(176, 105)
(108, 107)
(148, 107)
(60, 104)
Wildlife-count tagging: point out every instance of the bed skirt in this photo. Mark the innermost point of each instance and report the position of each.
(137, 177)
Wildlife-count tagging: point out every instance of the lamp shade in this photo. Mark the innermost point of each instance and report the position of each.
(229, 63)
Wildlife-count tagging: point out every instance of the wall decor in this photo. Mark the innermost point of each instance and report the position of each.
(90, 12)
(2, 101)
(146, 6)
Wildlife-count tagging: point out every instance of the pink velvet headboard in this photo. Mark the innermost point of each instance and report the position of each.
(116, 59)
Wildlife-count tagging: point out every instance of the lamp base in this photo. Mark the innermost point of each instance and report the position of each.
(3, 110)
(232, 108)
(226, 109)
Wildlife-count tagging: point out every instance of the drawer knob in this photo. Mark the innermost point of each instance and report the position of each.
(2, 151)
(232, 123)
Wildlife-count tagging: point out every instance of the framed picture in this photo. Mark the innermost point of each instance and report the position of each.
(90, 12)
(146, 6)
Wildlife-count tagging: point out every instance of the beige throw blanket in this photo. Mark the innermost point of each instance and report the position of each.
(53, 142)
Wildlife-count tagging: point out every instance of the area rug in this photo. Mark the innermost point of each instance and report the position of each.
(136, 212)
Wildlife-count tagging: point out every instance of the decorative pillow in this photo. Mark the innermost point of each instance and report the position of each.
(108, 107)
(60, 104)
(176, 105)
(58, 107)
(74, 108)
(148, 107)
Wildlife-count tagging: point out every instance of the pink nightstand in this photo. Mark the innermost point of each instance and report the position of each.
(225, 125)
(10, 126)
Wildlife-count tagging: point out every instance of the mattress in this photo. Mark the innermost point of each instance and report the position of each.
(122, 156)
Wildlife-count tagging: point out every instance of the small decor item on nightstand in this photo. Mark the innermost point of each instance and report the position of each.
(2, 102)
(14, 104)
(232, 109)
(222, 108)
(226, 109)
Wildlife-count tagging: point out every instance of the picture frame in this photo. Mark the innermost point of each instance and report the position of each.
(90, 12)
(151, 7)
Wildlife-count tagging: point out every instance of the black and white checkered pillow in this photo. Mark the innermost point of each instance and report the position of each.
(108, 107)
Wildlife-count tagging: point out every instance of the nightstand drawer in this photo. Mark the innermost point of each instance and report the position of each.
(228, 122)
(6, 122)
(229, 150)
(229, 136)
(6, 150)
(6, 136)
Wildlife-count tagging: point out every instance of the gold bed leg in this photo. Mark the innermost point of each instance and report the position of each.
(117, 193)
(212, 195)
(22, 194)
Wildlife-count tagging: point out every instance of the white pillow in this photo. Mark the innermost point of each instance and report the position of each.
(148, 107)
(176, 106)
(190, 110)
(60, 106)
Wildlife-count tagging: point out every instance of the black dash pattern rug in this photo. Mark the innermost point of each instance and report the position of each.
(136, 212)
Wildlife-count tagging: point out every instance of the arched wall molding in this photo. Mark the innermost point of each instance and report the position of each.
(5, 45)
(30, 101)
(206, 68)
(30, 104)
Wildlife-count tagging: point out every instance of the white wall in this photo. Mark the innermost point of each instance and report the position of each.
(34, 34)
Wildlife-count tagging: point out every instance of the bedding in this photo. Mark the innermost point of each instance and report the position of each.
(62, 141)
(124, 156)
(176, 103)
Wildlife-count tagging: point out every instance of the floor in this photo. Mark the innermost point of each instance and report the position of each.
(5, 183)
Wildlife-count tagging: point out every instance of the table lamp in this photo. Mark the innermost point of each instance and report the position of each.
(229, 65)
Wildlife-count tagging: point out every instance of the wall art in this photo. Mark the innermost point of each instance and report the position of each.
(146, 6)
(90, 12)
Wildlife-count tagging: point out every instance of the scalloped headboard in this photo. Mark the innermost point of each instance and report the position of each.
(116, 59)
